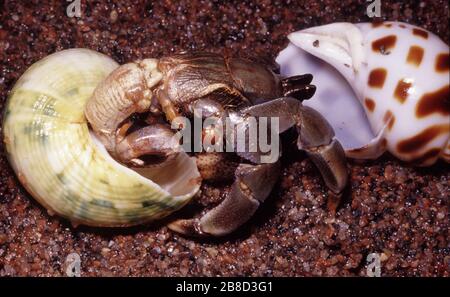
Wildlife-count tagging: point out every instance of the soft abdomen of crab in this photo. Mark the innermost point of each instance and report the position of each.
(406, 86)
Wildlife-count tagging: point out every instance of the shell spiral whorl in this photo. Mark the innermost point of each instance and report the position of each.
(64, 167)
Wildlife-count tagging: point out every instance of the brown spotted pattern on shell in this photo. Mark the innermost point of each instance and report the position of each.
(403, 69)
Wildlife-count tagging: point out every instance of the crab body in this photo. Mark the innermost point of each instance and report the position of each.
(233, 82)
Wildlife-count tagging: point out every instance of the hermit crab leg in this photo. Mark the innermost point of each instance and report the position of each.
(315, 136)
(252, 185)
(167, 105)
(298, 86)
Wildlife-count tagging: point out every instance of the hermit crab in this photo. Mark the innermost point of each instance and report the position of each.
(93, 141)
(398, 72)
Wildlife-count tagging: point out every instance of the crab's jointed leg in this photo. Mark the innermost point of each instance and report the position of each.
(298, 86)
(252, 185)
(254, 182)
(315, 137)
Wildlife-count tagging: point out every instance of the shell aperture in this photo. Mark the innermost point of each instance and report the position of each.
(62, 165)
(398, 73)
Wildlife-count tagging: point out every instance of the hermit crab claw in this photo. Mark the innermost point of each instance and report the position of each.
(155, 143)
(252, 185)
(315, 136)
(254, 182)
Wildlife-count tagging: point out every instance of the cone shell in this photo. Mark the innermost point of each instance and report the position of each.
(61, 164)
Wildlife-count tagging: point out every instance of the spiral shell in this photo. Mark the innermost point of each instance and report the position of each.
(399, 73)
(64, 167)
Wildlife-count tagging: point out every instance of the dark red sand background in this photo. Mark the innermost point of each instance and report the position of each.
(395, 210)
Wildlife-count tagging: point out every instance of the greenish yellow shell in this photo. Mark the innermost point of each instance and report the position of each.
(60, 163)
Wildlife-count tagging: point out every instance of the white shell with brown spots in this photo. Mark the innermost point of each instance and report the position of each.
(399, 73)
